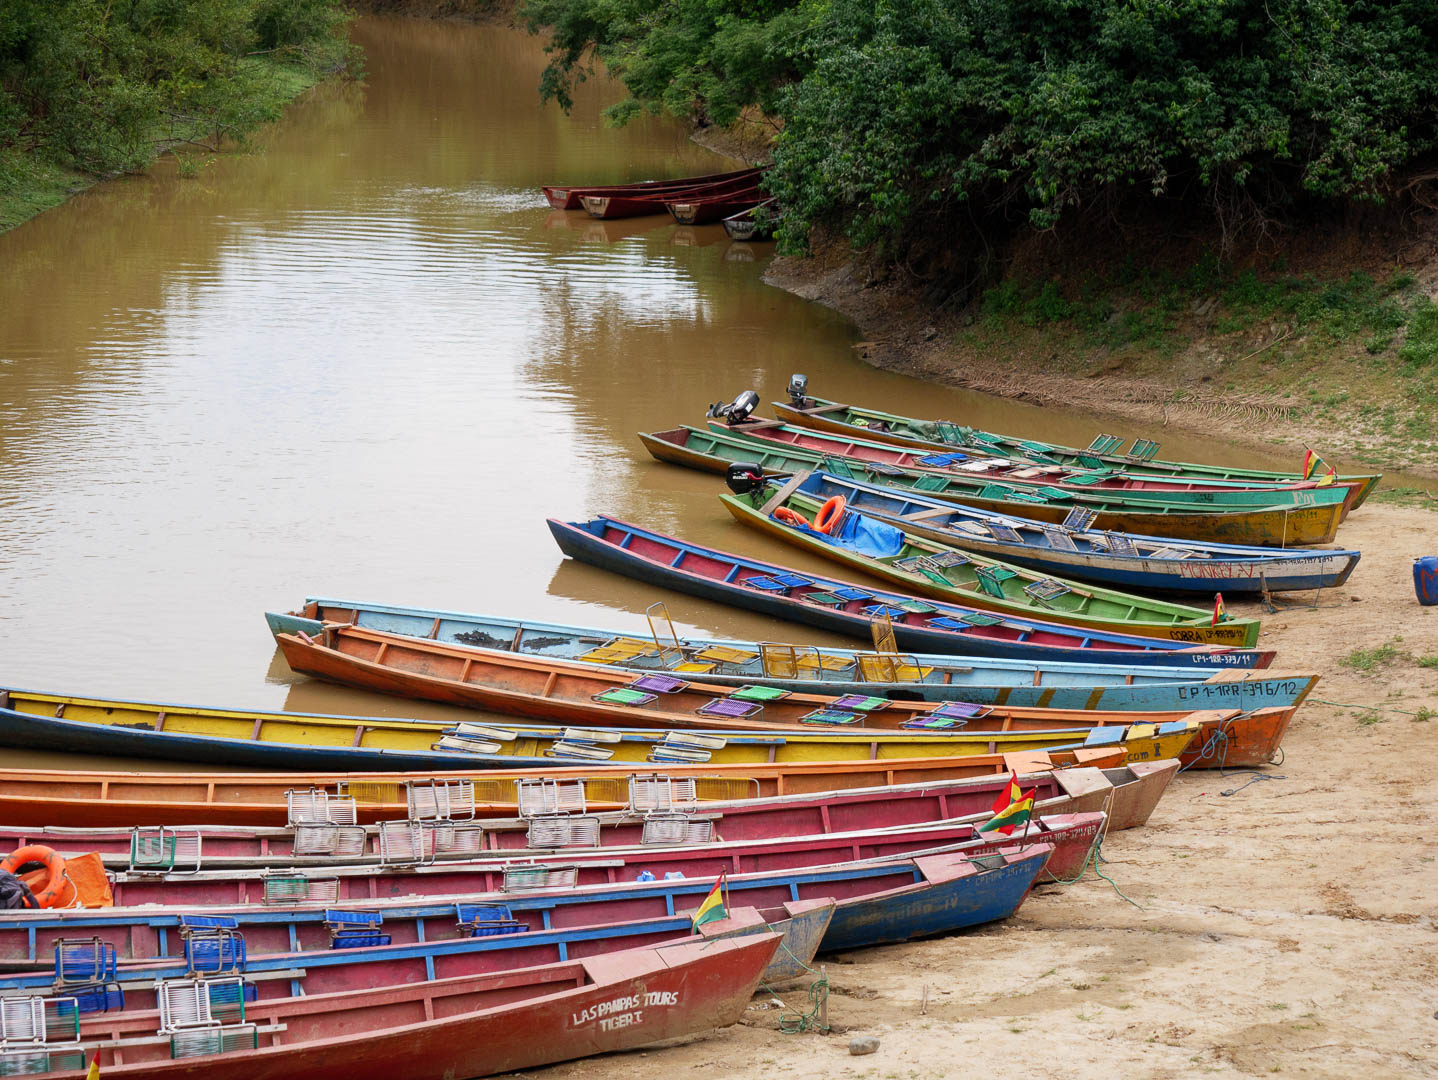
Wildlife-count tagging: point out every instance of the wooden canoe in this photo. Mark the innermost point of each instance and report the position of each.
(701, 210)
(914, 806)
(807, 668)
(289, 740)
(470, 1026)
(1129, 561)
(1030, 479)
(220, 885)
(715, 448)
(825, 415)
(103, 799)
(567, 198)
(926, 567)
(831, 604)
(612, 917)
(572, 693)
(391, 663)
(1128, 795)
(629, 204)
(745, 224)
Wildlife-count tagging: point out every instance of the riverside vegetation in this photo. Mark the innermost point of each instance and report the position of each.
(96, 88)
(1242, 188)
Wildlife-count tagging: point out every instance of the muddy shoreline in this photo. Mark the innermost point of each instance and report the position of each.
(903, 334)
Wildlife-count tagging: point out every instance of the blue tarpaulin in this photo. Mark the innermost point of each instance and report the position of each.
(862, 535)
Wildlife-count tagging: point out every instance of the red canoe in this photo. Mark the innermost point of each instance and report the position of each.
(634, 205)
(567, 198)
(365, 882)
(465, 1027)
(67, 797)
(1128, 794)
(701, 210)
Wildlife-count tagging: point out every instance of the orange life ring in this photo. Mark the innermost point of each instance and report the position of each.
(830, 514)
(51, 885)
(790, 517)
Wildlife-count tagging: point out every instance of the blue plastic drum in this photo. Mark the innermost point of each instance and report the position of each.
(1425, 579)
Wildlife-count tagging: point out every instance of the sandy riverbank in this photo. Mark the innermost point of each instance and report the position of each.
(1289, 928)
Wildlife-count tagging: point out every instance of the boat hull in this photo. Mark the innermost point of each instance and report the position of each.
(584, 545)
(682, 988)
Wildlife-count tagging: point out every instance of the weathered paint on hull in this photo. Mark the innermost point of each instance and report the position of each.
(581, 544)
(416, 1033)
(983, 681)
(106, 799)
(1238, 633)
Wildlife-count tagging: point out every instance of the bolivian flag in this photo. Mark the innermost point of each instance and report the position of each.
(1011, 817)
(1219, 611)
(712, 909)
(1008, 794)
(94, 1073)
(1313, 465)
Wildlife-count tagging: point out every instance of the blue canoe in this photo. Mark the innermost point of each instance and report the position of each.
(993, 681)
(839, 606)
(1152, 563)
(925, 895)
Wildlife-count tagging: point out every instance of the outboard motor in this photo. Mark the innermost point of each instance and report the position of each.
(737, 411)
(798, 389)
(744, 477)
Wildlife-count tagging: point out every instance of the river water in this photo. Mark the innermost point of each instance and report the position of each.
(367, 360)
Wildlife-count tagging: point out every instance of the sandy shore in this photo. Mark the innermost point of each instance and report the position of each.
(1287, 925)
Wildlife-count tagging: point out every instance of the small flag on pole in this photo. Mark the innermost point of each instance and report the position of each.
(712, 909)
(1011, 817)
(1313, 465)
(1219, 611)
(94, 1073)
(1008, 794)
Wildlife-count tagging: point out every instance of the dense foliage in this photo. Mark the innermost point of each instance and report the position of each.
(910, 122)
(101, 84)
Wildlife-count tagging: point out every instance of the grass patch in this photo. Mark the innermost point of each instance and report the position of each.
(1368, 659)
(1428, 661)
(30, 185)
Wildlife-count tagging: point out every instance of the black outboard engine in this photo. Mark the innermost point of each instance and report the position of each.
(744, 477)
(737, 411)
(798, 389)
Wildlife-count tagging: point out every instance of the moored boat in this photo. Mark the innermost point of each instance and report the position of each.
(751, 223)
(1126, 560)
(576, 693)
(636, 204)
(931, 568)
(567, 198)
(286, 740)
(825, 415)
(1050, 481)
(831, 604)
(1128, 794)
(716, 448)
(442, 1027)
(701, 209)
(65, 797)
(804, 668)
(225, 882)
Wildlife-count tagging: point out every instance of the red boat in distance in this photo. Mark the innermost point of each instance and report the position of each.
(633, 204)
(567, 198)
(703, 209)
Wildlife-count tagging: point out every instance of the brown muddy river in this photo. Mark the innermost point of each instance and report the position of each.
(368, 361)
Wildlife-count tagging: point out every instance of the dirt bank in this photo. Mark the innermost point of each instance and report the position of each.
(1260, 382)
(1286, 928)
